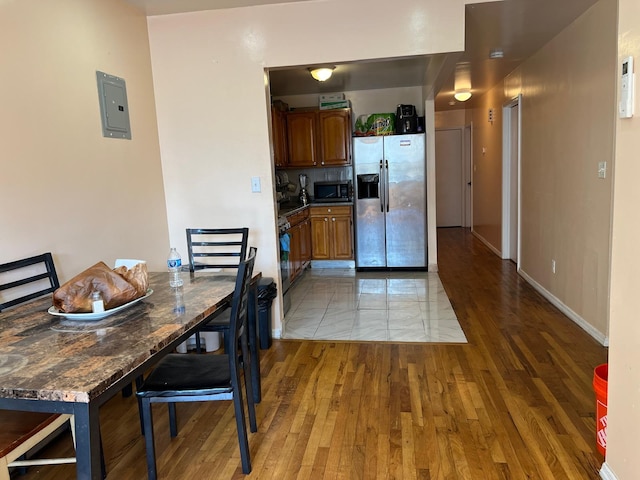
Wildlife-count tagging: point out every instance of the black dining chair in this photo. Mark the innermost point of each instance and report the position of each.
(217, 249)
(27, 279)
(223, 249)
(22, 281)
(196, 378)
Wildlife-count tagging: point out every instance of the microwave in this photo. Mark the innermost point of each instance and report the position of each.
(339, 191)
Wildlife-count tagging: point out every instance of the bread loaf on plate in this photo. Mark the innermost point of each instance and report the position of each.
(116, 286)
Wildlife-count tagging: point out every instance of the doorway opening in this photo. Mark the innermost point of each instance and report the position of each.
(511, 137)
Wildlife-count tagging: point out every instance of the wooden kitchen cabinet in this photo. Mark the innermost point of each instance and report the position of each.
(301, 138)
(319, 138)
(332, 233)
(334, 139)
(300, 233)
(305, 242)
(279, 132)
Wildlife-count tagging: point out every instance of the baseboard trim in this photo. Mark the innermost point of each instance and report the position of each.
(486, 242)
(333, 264)
(581, 322)
(606, 473)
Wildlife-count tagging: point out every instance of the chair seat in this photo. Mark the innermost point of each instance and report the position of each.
(188, 375)
(219, 323)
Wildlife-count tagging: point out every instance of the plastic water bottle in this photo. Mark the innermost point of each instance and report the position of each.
(174, 264)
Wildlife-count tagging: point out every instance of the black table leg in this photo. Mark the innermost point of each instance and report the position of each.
(88, 449)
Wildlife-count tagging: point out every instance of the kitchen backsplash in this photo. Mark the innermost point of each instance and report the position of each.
(316, 175)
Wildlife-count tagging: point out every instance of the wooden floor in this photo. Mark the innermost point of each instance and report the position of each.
(515, 402)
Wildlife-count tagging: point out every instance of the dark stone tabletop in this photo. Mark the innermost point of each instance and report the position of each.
(53, 358)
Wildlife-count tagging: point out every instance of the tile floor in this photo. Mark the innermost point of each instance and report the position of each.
(342, 304)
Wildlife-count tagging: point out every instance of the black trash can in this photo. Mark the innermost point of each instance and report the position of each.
(267, 291)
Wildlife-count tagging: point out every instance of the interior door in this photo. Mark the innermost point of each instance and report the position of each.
(467, 177)
(449, 178)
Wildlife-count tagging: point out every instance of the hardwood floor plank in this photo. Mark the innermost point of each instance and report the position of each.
(515, 402)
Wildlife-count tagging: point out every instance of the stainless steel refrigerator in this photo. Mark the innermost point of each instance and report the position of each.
(390, 201)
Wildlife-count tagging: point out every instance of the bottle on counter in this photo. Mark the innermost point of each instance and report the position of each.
(174, 264)
(97, 304)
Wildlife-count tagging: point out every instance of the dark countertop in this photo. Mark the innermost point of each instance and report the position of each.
(289, 208)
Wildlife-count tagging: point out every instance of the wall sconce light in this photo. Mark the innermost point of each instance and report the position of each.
(321, 74)
(462, 95)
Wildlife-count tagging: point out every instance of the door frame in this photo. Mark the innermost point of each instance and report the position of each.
(506, 178)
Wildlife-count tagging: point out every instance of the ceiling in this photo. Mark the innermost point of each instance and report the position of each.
(517, 27)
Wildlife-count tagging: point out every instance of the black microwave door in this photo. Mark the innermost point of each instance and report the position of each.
(326, 192)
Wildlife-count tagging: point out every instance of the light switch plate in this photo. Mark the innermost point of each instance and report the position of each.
(255, 185)
(602, 169)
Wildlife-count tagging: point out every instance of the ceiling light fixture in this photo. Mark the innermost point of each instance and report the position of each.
(322, 74)
(496, 53)
(462, 95)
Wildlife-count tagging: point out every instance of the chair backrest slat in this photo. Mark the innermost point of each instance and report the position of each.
(217, 248)
(22, 273)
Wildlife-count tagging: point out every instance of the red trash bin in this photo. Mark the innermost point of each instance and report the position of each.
(600, 381)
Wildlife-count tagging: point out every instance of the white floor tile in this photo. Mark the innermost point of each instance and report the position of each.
(341, 304)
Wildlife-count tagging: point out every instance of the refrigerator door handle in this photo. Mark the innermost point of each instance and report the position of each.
(380, 188)
(386, 183)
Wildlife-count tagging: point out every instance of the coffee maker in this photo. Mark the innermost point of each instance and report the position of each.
(304, 196)
(406, 119)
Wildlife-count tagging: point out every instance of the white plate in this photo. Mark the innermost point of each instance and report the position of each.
(96, 316)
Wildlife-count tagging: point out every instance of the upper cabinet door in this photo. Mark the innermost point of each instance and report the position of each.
(301, 132)
(334, 137)
(279, 130)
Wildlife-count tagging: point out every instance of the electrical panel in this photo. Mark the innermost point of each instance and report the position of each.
(114, 108)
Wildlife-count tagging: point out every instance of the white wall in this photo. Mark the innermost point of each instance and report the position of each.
(65, 188)
(623, 428)
(212, 99)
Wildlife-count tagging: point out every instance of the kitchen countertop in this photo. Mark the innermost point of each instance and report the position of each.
(289, 208)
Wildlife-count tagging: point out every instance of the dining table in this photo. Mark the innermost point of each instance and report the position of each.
(71, 364)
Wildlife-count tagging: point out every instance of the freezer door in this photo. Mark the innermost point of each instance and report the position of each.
(369, 202)
(406, 200)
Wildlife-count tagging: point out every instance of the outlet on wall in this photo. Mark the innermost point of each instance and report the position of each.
(553, 266)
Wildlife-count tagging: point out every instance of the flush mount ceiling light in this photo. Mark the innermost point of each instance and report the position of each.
(321, 74)
(462, 82)
(462, 95)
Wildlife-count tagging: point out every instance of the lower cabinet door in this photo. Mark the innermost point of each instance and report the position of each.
(320, 238)
(342, 239)
(294, 255)
(305, 242)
